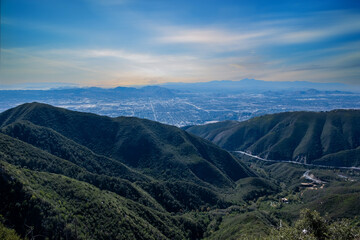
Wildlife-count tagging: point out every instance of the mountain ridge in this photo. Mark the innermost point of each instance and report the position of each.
(70, 175)
(257, 85)
(51, 181)
(298, 136)
(119, 138)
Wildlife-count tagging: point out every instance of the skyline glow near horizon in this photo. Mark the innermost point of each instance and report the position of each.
(129, 42)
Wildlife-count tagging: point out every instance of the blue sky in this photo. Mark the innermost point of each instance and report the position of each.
(131, 42)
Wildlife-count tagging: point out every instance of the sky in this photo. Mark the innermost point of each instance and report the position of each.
(110, 43)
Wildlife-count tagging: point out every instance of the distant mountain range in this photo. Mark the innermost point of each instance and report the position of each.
(104, 93)
(323, 138)
(38, 86)
(196, 103)
(258, 86)
(210, 86)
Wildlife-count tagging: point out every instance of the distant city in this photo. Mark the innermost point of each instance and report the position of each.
(189, 104)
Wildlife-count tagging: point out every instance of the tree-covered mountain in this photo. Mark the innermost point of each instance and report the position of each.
(59, 207)
(73, 175)
(77, 175)
(324, 138)
(159, 150)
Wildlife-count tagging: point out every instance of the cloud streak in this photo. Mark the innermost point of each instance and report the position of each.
(264, 33)
(322, 47)
(113, 67)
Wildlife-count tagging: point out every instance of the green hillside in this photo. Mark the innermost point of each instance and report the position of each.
(326, 138)
(335, 199)
(61, 207)
(55, 173)
(148, 146)
(72, 175)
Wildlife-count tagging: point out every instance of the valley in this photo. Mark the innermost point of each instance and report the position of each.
(74, 175)
(185, 107)
(179, 120)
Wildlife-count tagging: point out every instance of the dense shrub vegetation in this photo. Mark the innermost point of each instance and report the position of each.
(70, 175)
(323, 138)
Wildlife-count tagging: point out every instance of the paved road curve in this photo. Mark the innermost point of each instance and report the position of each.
(294, 162)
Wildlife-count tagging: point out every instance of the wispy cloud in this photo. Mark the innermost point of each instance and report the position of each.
(280, 32)
(105, 67)
(112, 67)
(207, 36)
(315, 47)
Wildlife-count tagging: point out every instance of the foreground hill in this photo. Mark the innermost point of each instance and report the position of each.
(72, 175)
(161, 151)
(59, 207)
(325, 138)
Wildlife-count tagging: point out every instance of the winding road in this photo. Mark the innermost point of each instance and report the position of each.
(294, 162)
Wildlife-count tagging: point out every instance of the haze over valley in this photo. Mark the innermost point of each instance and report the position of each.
(192, 104)
(179, 120)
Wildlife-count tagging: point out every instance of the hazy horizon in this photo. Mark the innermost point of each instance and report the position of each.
(64, 85)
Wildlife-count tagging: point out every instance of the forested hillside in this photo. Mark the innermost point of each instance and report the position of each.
(73, 175)
(324, 138)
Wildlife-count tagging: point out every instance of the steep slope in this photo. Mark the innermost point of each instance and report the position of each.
(23, 155)
(309, 137)
(65, 157)
(62, 147)
(67, 174)
(162, 151)
(59, 207)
